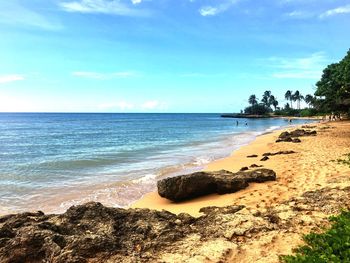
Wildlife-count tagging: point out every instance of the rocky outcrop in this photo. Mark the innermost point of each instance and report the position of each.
(202, 183)
(94, 233)
(292, 136)
(89, 231)
(252, 156)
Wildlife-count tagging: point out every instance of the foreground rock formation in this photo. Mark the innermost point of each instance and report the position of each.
(94, 233)
(202, 183)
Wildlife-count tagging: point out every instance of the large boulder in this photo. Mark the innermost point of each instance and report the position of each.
(202, 183)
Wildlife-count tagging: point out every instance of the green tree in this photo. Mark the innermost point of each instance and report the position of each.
(297, 97)
(265, 98)
(333, 89)
(288, 96)
(273, 101)
(309, 99)
(252, 100)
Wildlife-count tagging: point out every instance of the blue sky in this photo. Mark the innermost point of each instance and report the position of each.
(163, 55)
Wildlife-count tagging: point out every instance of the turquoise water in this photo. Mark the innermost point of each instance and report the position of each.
(51, 161)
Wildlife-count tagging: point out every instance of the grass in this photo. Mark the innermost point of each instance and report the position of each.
(332, 246)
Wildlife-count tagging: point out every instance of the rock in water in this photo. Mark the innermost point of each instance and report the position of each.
(189, 186)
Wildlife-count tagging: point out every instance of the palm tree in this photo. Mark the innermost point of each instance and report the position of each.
(266, 97)
(273, 101)
(309, 99)
(297, 97)
(288, 96)
(252, 100)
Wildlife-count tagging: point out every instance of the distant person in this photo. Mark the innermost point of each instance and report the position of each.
(290, 120)
(246, 124)
(236, 123)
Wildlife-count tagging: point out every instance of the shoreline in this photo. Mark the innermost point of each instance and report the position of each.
(252, 195)
(257, 224)
(126, 193)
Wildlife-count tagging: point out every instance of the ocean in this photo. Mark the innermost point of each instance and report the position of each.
(50, 161)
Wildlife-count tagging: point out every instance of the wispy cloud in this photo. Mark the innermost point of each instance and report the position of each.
(10, 78)
(298, 14)
(104, 76)
(109, 7)
(135, 2)
(298, 68)
(212, 10)
(336, 11)
(153, 105)
(14, 13)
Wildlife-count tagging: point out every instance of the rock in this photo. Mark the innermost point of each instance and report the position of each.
(265, 158)
(302, 132)
(244, 169)
(197, 184)
(258, 176)
(252, 156)
(296, 140)
(88, 232)
(278, 153)
(288, 137)
(255, 166)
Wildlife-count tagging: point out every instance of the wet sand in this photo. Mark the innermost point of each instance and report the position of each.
(310, 168)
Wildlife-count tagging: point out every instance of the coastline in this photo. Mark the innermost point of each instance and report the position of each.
(257, 224)
(292, 178)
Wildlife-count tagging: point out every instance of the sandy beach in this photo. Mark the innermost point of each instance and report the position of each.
(311, 168)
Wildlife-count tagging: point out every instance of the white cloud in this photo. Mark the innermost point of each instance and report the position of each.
(153, 105)
(214, 10)
(110, 7)
(14, 13)
(336, 11)
(299, 68)
(103, 76)
(299, 14)
(135, 2)
(208, 11)
(10, 78)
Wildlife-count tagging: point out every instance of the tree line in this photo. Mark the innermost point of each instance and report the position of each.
(332, 95)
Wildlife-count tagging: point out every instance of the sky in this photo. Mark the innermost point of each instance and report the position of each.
(163, 55)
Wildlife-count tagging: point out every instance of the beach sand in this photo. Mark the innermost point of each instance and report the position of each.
(312, 167)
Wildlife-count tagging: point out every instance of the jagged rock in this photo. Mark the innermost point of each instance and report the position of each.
(88, 231)
(302, 132)
(252, 156)
(278, 153)
(94, 233)
(255, 166)
(265, 158)
(258, 176)
(288, 136)
(202, 183)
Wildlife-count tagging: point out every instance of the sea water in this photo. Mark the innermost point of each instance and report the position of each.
(50, 161)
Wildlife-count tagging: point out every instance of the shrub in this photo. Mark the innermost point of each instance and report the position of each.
(330, 246)
(258, 109)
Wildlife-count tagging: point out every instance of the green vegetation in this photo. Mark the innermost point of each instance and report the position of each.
(333, 90)
(330, 246)
(262, 108)
(332, 96)
(345, 161)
